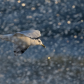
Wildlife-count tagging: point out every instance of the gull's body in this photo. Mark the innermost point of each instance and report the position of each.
(22, 40)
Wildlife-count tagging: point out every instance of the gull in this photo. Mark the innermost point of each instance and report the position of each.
(22, 40)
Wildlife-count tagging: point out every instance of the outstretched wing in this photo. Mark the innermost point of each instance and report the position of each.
(6, 37)
(18, 50)
(31, 33)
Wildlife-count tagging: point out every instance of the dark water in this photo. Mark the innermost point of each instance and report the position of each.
(61, 24)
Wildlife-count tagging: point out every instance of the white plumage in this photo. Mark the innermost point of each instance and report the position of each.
(22, 40)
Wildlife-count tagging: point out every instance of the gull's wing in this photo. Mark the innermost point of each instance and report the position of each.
(6, 37)
(18, 49)
(31, 33)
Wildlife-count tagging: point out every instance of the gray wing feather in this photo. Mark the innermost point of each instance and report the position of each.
(31, 33)
(28, 33)
(18, 49)
(6, 37)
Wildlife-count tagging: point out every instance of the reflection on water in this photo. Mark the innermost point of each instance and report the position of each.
(51, 70)
(61, 23)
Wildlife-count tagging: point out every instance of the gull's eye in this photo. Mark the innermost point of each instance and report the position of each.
(38, 41)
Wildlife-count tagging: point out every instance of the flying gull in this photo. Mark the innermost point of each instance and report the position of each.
(22, 40)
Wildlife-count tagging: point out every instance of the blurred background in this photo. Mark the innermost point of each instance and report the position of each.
(61, 23)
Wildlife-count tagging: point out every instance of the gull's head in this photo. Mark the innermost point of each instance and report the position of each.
(40, 43)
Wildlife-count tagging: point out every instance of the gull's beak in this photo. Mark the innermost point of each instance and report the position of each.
(43, 46)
